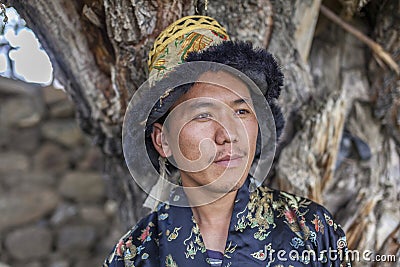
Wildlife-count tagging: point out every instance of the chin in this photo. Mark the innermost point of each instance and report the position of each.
(225, 188)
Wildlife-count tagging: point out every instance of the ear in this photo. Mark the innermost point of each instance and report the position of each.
(160, 142)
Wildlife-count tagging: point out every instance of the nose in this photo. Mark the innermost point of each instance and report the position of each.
(227, 131)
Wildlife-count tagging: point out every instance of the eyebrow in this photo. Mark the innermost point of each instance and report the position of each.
(201, 104)
(242, 100)
(205, 104)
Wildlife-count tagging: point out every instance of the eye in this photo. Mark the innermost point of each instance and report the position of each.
(203, 116)
(242, 111)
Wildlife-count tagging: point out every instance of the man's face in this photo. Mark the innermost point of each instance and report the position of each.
(212, 133)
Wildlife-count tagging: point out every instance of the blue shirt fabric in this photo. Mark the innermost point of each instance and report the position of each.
(215, 258)
(267, 228)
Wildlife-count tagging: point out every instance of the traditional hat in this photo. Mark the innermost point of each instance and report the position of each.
(193, 41)
(173, 45)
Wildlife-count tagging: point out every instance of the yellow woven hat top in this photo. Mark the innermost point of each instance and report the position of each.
(192, 33)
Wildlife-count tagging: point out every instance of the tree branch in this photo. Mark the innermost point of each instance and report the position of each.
(378, 50)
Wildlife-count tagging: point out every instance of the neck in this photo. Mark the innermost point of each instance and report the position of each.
(216, 213)
(213, 220)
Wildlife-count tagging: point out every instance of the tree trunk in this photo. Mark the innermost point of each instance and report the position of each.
(337, 109)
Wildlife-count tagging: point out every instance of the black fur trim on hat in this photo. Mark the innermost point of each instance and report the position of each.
(259, 65)
(256, 63)
(278, 117)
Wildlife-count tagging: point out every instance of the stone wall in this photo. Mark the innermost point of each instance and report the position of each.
(53, 206)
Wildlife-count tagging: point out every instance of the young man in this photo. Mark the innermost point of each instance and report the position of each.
(216, 121)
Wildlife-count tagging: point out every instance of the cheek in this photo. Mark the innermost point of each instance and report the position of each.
(252, 132)
(190, 139)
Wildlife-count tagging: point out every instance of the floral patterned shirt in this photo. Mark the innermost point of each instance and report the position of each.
(268, 228)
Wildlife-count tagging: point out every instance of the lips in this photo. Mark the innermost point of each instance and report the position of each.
(229, 160)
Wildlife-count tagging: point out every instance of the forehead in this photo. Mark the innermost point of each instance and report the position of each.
(219, 85)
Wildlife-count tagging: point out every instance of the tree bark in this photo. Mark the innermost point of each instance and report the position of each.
(330, 99)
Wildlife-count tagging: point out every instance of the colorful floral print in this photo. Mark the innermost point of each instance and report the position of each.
(264, 223)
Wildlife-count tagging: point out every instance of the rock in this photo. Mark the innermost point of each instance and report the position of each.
(2, 191)
(4, 134)
(64, 213)
(52, 95)
(24, 139)
(31, 264)
(59, 264)
(93, 160)
(29, 178)
(73, 239)
(65, 132)
(93, 215)
(29, 243)
(56, 259)
(19, 207)
(13, 161)
(4, 265)
(76, 155)
(111, 208)
(90, 262)
(63, 109)
(106, 244)
(19, 139)
(83, 186)
(51, 158)
(21, 112)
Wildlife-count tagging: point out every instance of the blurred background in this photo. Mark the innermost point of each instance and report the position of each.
(53, 205)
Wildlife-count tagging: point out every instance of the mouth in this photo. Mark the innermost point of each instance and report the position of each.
(230, 161)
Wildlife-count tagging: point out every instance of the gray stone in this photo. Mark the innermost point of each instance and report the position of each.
(4, 134)
(83, 186)
(90, 262)
(64, 213)
(52, 95)
(57, 259)
(76, 238)
(29, 243)
(2, 264)
(21, 112)
(13, 161)
(65, 132)
(31, 264)
(93, 160)
(51, 158)
(111, 208)
(24, 139)
(29, 178)
(1, 248)
(59, 264)
(77, 154)
(19, 207)
(109, 241)
(2, 191)
(63, 109)
(93, 215)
